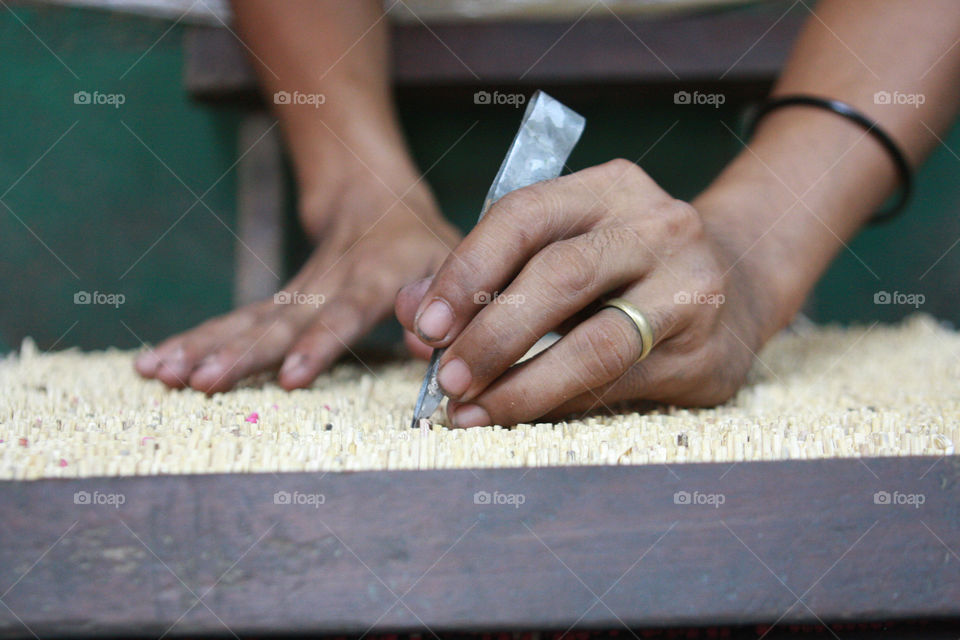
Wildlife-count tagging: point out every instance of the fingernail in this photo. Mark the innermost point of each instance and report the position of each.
(176, 363)
(292, 364)
(471, 415)
(209, 372)
(435, 321)
(454, 378)
(147, 362)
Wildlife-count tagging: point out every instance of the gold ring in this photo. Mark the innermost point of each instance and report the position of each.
(639, 320)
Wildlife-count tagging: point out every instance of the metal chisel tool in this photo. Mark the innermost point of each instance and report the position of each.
(548, 132)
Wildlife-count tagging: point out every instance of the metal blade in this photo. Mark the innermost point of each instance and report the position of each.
(548, 132)
(430, 394)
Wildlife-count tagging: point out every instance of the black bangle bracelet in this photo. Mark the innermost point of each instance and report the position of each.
(871, 127)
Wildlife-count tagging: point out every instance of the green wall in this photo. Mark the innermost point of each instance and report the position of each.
(99, 199)
(104, 214)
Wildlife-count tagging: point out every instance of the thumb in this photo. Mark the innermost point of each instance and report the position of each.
(408, 301)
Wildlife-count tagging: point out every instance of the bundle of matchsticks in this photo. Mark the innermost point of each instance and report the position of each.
(823, 392)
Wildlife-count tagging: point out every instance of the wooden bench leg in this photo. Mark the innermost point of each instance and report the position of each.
(258, 257)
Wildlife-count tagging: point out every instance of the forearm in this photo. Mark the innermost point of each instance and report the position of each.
(811, 178)
(337, 50)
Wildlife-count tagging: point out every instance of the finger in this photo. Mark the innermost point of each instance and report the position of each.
(257, 349)
(558, 282)
(339, 325)
(668, 378)
(596, 352)
(408, 299)
(341, 321)
(624, 392)
(176, 358)
(519, 225)
(630, 390)
(516, 226)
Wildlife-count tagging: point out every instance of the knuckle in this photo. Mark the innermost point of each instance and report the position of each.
(281, 329)
(679, 219)
(711, 284)
(615, 240)
(605, 349)
(685, 342)
(523, 214)
(704, 285)
(522, 204)
(567, 268)
(620, 166)
(633, 183)
(457, 281)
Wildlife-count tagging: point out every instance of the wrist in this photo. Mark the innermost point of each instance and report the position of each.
(352, 179)
(788, 202)
(764, 269)
(350, 152)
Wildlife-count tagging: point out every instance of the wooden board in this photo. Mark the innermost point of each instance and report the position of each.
(732, 46)
(552, 548)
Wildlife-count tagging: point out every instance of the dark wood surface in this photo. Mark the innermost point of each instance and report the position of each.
(588, 547)
(733, 46)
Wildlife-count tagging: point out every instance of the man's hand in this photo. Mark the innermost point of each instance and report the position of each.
(368, 248)
(542, 259)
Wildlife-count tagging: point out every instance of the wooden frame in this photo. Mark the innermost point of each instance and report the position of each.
(742, 45)
(585, 547)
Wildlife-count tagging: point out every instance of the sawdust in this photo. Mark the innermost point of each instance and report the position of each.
(881, 391)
